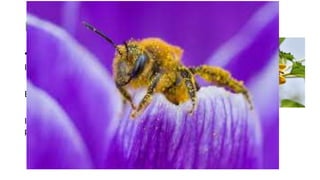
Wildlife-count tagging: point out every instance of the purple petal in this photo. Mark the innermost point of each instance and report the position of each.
(222, 133)
(52, 139)
(252, 55)
(57, 64)
(265, 89)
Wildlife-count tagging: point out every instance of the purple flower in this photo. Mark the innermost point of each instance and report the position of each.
(75, 116)
(223, 133)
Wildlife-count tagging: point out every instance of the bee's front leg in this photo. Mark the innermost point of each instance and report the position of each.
(148, 97)
(126, 96)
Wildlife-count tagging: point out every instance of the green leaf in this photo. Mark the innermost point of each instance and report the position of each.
(298, 69)
(290, 103)
(286, 56)
(281, 40)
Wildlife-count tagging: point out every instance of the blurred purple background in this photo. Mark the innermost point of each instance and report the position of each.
(197, 27)
(200, 28)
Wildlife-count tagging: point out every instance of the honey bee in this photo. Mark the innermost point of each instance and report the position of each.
(156, 65)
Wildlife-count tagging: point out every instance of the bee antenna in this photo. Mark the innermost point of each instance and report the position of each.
(127, 48)
(101, 34)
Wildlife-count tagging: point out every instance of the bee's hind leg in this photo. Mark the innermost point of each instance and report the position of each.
(223, 78)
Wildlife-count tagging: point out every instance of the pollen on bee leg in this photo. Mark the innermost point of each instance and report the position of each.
(142, 105)
(133, 114)
(193, 106)
(133, 106)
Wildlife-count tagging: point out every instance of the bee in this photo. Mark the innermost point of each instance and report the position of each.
(156, 65)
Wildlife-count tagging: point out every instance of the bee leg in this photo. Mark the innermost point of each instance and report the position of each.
(191, 85)
(126, 96)
(221, 78)
(148, 97)
(197, 85)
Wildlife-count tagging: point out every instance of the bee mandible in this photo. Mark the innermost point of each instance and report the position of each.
(156, 65)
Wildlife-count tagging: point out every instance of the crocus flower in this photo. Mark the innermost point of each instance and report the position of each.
(75, 116)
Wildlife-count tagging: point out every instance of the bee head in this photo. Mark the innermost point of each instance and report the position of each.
(129, 62)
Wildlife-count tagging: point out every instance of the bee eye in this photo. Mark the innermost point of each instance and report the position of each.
(139, 65)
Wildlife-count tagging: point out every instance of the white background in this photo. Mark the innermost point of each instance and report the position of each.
(299, 128)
